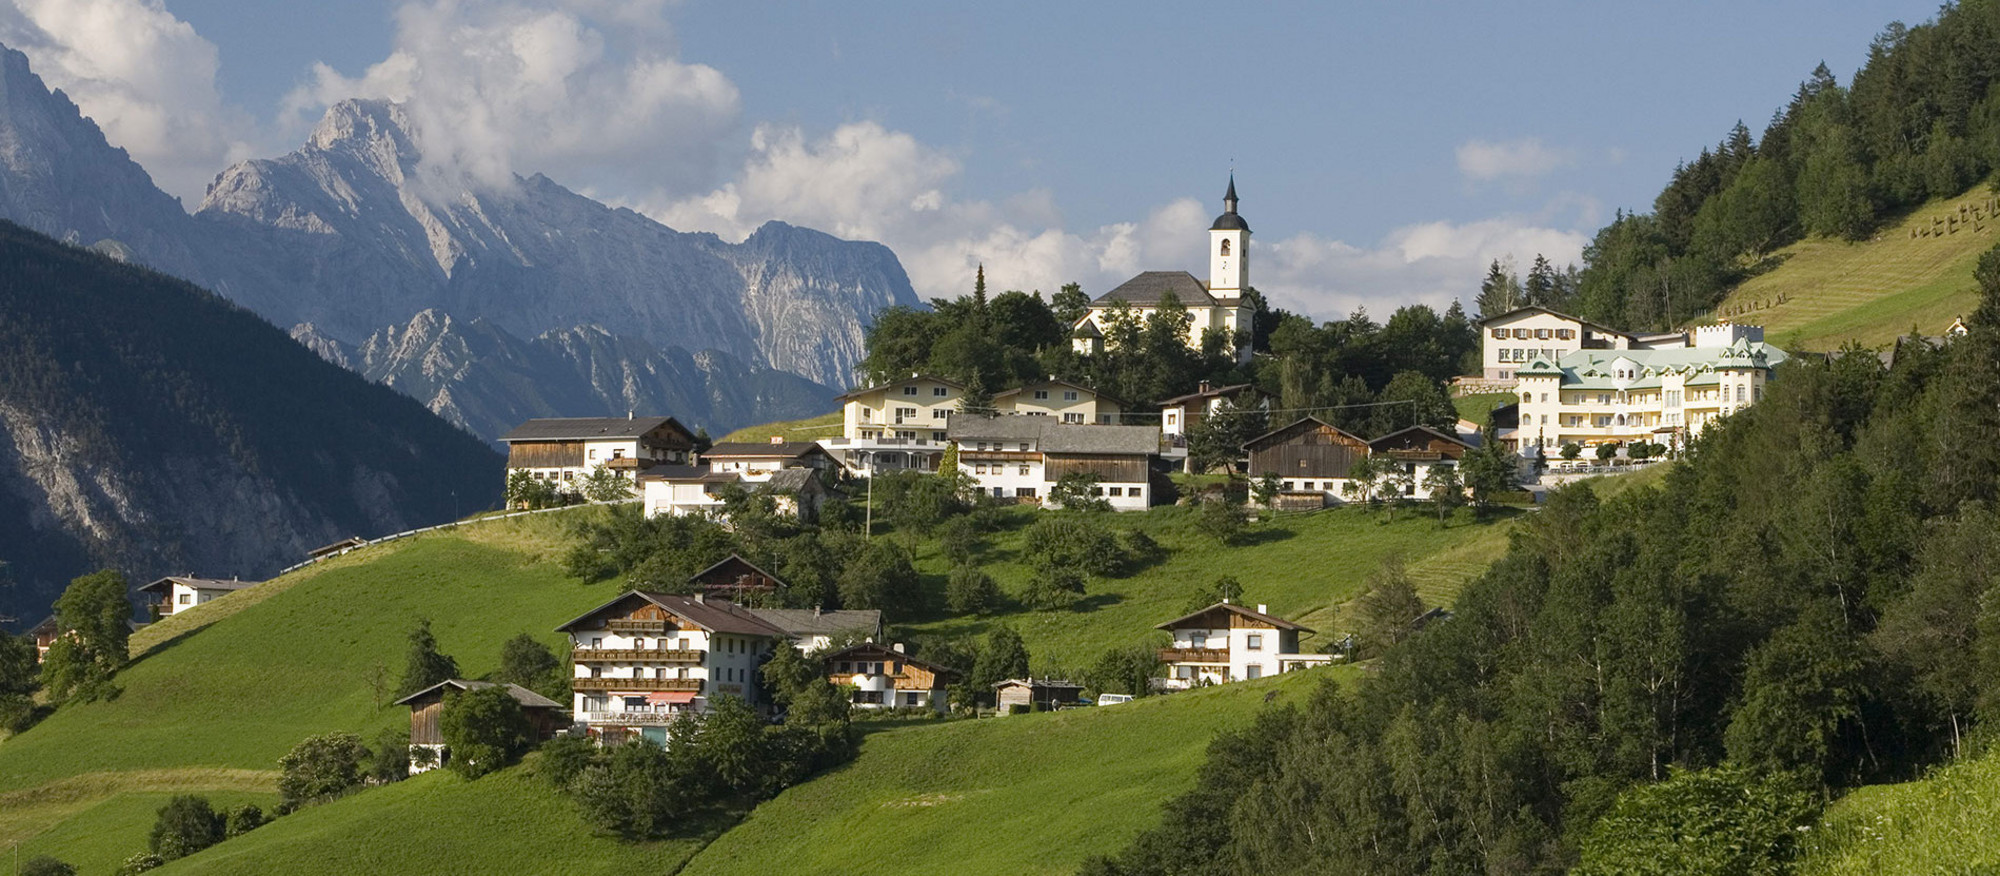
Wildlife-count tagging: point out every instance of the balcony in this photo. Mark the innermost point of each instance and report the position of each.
(1194, 655)
(637, 685)
(630, 718)
(634, 655)
(636, 626)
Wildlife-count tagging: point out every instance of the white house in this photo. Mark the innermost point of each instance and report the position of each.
(644, 658)
(1228, 642)
(883, 677)
(1023, 458)
(899, 424)
(757, 463)
(683, 489)
(1415, 452)
(1663, 396)
(567, 449)
(1060, 400)
(1180, 414)
(1217, 305)
(814, 629)
(1513, 339)
(175, 594)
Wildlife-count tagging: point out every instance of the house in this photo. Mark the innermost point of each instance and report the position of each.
(814, 629)
(644, 658)
(756, 463)
(1060, 400)
(1663, 396)
(1216, 306)
(173, 594)
(1521, 335)
(884, 677)
(898, 424)
(682, 489)
(1180, 414)
(1416, 451)
(45, 635)
(545, 717)
(1023, 458)
(568, 449)
(734, 577)
(337, 548)
(1036, 694)
(800, 492)
(1229, 642)
(1312, 460)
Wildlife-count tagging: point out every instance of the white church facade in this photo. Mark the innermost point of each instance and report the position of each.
(1215, 306)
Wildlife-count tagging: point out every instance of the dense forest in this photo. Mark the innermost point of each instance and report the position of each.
(1806, 604)
(1367, 377)
(152, 426)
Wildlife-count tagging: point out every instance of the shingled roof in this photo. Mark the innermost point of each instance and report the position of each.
(589, 428)
(762, 450)
(527, 698)
(1151, 286)
(713, 615)
(1053, 436)
(1241, 611)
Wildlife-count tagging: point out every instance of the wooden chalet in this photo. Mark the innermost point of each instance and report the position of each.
(884, 677)
(1311, 459)
(545, 716)
(1419, 444)
(1038, 694)
(734, 577)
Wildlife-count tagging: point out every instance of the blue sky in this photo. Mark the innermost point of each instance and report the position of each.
(1384, 152)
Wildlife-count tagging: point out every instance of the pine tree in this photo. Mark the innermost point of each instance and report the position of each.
(1499, 292)
(426, 665)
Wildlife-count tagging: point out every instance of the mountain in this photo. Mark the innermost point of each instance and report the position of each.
(151, 426)
(355, 231)
(478, 375)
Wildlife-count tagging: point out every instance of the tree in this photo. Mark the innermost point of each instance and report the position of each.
(390, 760)
(318, 768)
(732, 743)
(1052, 588)
(1489, 470)
(1225, 589)
(94, 616)
(958, 540)
(1499, 292)
(1266, 489)
(605, 485)
(1223, 521)
(1127, 670)
(1719, 820)
(970, 591)
(1071, 305)
(1606, 451)
(19, 676)
(44, 865)
(424, 665)
(1217, 440)
(243, 819)
(1362, 475)
(185, 825)
(881, 577)
(1571, 450)
(1004, 656)
(1078, 491)
(484, 730)
(1447, 491)
(525, 661)
(1388, 609)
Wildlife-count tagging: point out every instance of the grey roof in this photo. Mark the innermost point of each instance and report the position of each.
(522, 695)
(584, 428)
(1053, 436)
(854, 393)
(671, 472)
(1538, 309)
(807, 622)
(764, 450)
(1420, 428)
(1151, 286)
(196, 583)
(1039, 682)
(713, 615)
(791, 480)
(1231, 389)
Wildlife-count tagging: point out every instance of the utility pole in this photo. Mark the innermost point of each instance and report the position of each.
(868, 527)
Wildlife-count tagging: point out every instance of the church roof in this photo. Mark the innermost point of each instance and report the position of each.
(1229, 220)
(1151, 286)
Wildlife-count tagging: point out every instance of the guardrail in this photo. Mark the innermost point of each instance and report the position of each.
(454, 524)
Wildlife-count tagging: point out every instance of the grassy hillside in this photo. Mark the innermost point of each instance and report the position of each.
(1943, 824)
(1015, 795)
(1875, 290)
(808, 429)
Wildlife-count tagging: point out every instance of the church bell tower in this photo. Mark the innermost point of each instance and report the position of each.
(1229, 251)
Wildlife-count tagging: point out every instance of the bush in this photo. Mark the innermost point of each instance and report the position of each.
(564, 758)
(1054, 588)
(958, 540)
(1720, 820)
(43, 865)
(485, 730)
(1073, 542)
(244, 819)
(1142, 550)
(1571, 450)
(187, 824)
(970, 591)
(140, 863)
(1127, 670)
(391, 760)
(321, 767)
(1223, 521)
(881, 577)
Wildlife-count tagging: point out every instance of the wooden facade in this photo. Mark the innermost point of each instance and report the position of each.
(1039, 694)
(735, 575)
(427, 711)
(545, 454)
(1305, 449)
(1420, 444)
(1109, 469)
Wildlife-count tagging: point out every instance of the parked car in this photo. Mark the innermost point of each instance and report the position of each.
(1113, 699)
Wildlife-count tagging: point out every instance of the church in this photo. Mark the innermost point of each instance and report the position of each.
(1216, 305)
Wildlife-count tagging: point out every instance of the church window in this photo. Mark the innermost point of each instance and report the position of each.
(1225, 246)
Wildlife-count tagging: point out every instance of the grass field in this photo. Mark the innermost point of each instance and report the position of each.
(1872, 291)
(1022, 794)
(1942, 824)
(1475, 407)
(809, 429)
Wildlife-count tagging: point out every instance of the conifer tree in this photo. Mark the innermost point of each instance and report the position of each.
(426, 665)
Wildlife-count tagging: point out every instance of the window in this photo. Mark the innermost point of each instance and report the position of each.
(1254, 670)
(1739, 393)
(1673, 398)
(1565, 334)
(1024, 492)
(593, 453)
(979, 468)
(940, 413)
(1527, 397)
(1134, 492)
(909, 390)
(1041, 395)
(1172, 417)
(1184, 672)
(1117, 491)
(1073, 418)
(569, 475)
(184, 598)
(1225, 246)
(597, 641)
(940, 391)
(1288, 485)
(1254, 642)
(1069, 395)
(1198, 639)
(1545, 398)
(1499, 334)
(996, 493)
(1520, 334)
(909, 699)
(1541, 334)
(1024, 468)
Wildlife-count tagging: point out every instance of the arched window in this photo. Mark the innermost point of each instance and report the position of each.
(1225, 246)
(1527, 396)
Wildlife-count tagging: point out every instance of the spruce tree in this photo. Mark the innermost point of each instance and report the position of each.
(426, 665)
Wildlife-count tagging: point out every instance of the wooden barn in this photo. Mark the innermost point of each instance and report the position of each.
(1038, 694)
(1311, 459)
(545, 716)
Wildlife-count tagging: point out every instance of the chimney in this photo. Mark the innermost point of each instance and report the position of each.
(701, 597)
(629, 414)
(1204, 387)
(815, 611)
(898, 647)
(1225, 600)
(1263, 609)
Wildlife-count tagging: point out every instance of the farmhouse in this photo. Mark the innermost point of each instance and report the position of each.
(1312, 460)
(682, 489)
(757, 463)
(174, 594)
(643, 658)
(1216, 307)
(545, 717)
(1180, 414)
(896, 425)
(567, 449)
(1415, 452)
(1060, 400)
(1229, 642)
(1023, 458)
(885, 677)
(1036, 694)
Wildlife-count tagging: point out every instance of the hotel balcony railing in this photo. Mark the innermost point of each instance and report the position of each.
(629, 718)
(662, 685)
(629, 655)
(1194, 655)
(636, 626)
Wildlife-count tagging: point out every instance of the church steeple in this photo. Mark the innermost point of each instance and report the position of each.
(1229, 250)
(1229, 197)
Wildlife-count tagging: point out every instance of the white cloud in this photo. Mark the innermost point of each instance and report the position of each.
(1431, 263)
(1484, 160)
(587, 91)
(144, 76)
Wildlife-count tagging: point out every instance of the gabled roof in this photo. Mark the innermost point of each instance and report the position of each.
(1260, 440)
(1053, 436)
(686, 473)
(352, 541)
(766, 450)
(1421, 429)
(891, 654)
(167, 583)
(1086, 328)
(1213, 392)
(712, 615)
(738, 560)
(802, 622)
(1606, 330)
(792, 480)
(1054, 382)
(1152, 286)
(590, 428)
(852, 394)
(527, 698)
(1233, 608)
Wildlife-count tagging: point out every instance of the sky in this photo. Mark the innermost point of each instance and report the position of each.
(1385, 152)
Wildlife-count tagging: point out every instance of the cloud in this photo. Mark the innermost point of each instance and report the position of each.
(587, 91)
(144, 76)
(1483, 161)
(1430, 263)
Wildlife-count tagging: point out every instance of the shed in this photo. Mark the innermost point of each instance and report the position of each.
(339, 547)
(545, 716)
(1039, 694)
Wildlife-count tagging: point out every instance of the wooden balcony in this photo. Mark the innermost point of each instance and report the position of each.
(636, 626)
(1194, 655)
(636, 655)
(631, 718)
(638, 685)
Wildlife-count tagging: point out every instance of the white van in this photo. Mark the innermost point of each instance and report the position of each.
(1113, 699)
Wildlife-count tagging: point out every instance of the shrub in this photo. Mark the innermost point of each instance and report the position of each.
(1127, 670)
(140, 863)
(43, 865)
(391, 760)
(187, 824)
(1223, 521)
(320, 767)
(1073, 542)
(1606, 450)
(881, 577)
(484, 729)
(1053, 588)
(1571, 450)
(564, 758)
(244, 819)
(958, 540)
(1720, 820)
(970, 591)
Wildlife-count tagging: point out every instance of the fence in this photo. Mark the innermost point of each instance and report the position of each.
(456, 523)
